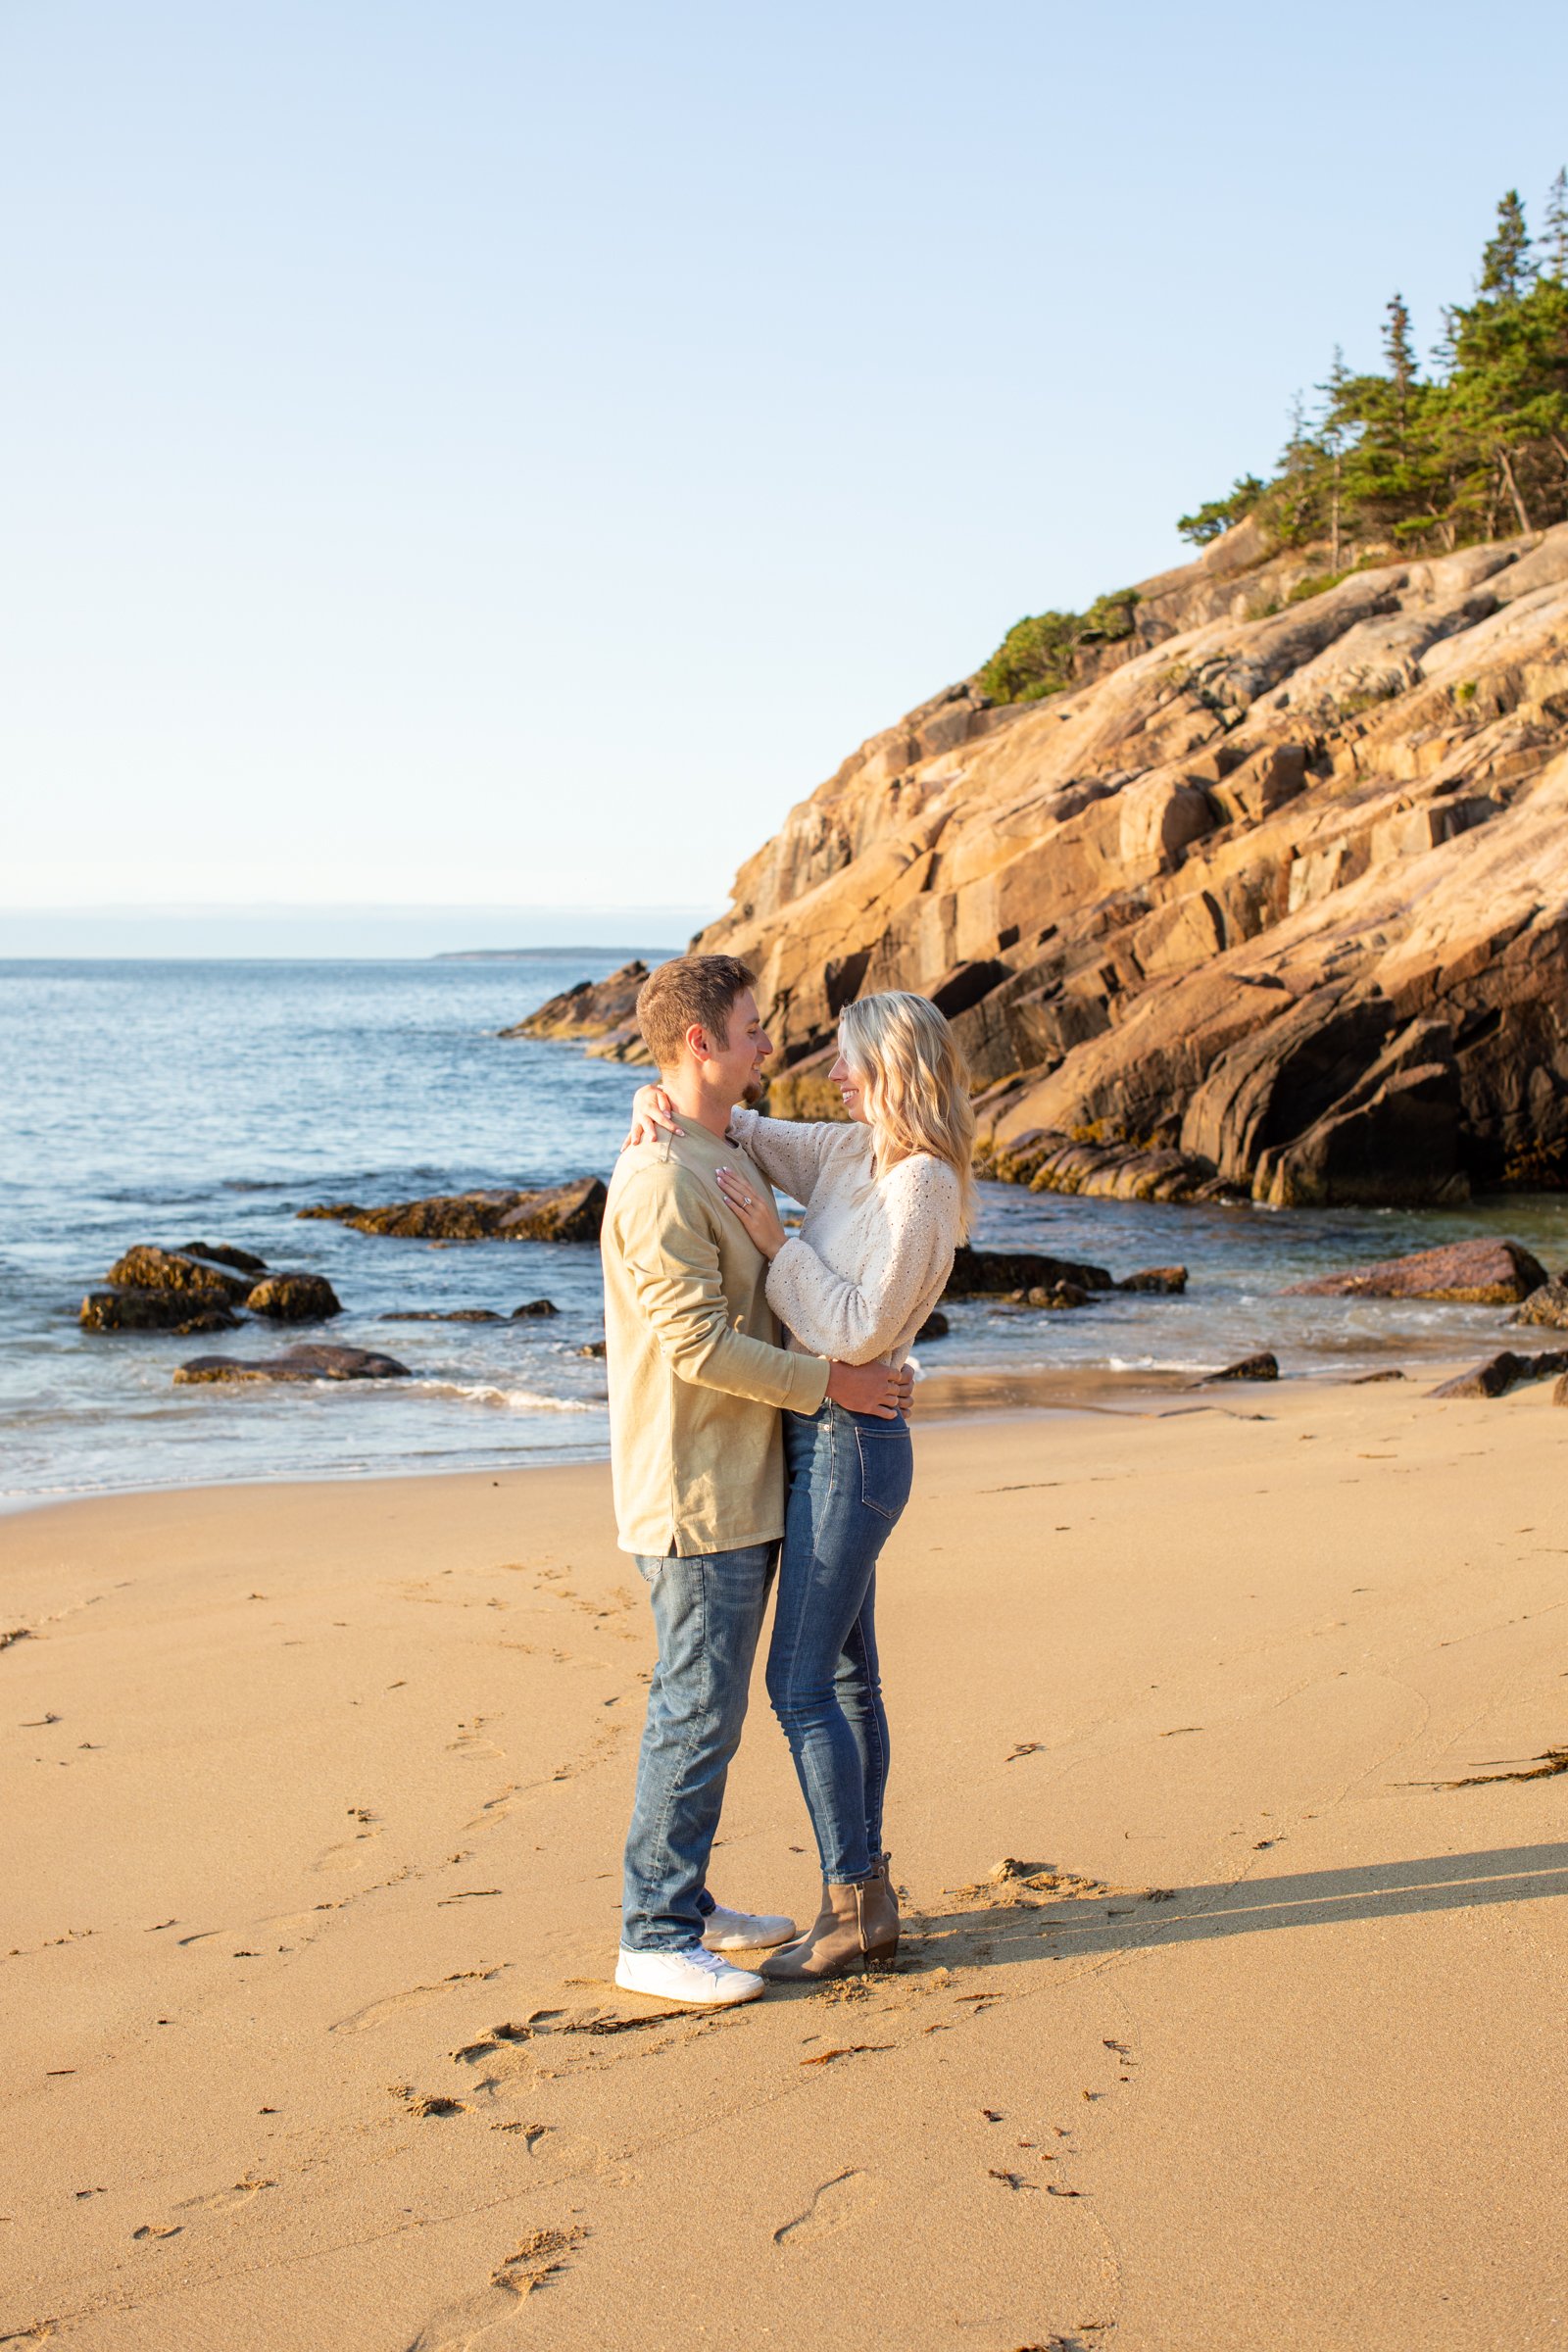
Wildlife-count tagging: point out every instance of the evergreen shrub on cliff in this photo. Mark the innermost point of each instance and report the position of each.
(1475, 449)
(1397, 460)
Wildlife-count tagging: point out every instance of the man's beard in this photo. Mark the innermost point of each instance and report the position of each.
(756, 1089)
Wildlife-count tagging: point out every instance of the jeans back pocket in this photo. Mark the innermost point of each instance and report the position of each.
(887, 1466)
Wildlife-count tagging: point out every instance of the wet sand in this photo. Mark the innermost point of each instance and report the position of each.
(313, 1802)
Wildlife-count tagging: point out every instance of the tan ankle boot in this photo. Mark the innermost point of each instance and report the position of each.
(882, 1909)
(842, 1941)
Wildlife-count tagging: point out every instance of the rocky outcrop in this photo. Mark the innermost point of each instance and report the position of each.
(154, 1311)
(1279, 889)
(565, 1213)
(1048, 1162)
(310, 1362)
(595, 1009)
(1501, 1373)
(1467, 1273)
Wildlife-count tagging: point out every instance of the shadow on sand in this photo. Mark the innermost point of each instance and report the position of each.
(1016, 1925)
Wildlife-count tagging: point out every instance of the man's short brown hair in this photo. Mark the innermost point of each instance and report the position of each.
(688, 991)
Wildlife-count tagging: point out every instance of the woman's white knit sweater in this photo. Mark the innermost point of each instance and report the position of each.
(873, 1252)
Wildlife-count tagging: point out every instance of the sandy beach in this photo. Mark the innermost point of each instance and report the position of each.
(1255, 2041)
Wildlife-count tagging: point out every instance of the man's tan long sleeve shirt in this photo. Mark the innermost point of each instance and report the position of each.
(696, 1376)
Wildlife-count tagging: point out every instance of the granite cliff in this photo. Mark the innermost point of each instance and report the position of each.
(1272, 898)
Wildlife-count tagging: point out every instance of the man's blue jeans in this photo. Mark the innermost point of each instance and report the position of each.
(850, 1478)
(708, 1613)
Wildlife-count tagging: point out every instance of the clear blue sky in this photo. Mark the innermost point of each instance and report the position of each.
(502, 454)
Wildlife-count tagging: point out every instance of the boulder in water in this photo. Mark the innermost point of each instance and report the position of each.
(155, 1310)
(313, 1361)
(146, 1268)
(1168, 1282)
(441, 1315)
(1546, 1307)
(294, 1298)
(1467, 1273)
(981, 1273)
(565, 1213)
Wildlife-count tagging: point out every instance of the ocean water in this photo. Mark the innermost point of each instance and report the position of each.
(211, 1100)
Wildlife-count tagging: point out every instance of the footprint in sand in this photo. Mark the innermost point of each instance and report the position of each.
(352, 1852)
(471, 1740)
(493, 1811)
(487, 2321)
(375, 2013)
(844, 2199)
(224, 2200)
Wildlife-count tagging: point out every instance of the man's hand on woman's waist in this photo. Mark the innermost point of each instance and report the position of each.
(878, 1389)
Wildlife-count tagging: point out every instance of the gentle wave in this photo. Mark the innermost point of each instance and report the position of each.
(512, 1401)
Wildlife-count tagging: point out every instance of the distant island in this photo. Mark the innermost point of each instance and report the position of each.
(549, 955)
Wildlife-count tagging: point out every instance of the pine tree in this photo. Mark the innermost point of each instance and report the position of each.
(1399, 352)
(1337, 428)
(1555, 240)
(1474, 445)
(1506, 270)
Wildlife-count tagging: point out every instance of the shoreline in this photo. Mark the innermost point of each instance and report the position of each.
(954, 1398)
(318, 1789)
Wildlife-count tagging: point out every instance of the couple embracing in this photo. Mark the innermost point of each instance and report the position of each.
(758, 1435)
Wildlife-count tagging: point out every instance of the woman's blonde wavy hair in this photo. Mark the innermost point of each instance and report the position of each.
(916, 1083)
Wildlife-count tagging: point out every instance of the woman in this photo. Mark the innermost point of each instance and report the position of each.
(887, 1199)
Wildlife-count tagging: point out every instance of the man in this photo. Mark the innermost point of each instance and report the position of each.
(696, 1383)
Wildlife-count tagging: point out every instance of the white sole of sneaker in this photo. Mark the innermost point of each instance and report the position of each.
(673, 2002)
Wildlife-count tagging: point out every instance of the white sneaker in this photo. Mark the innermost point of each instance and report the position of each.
(746, 1931)
(695, 1978)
